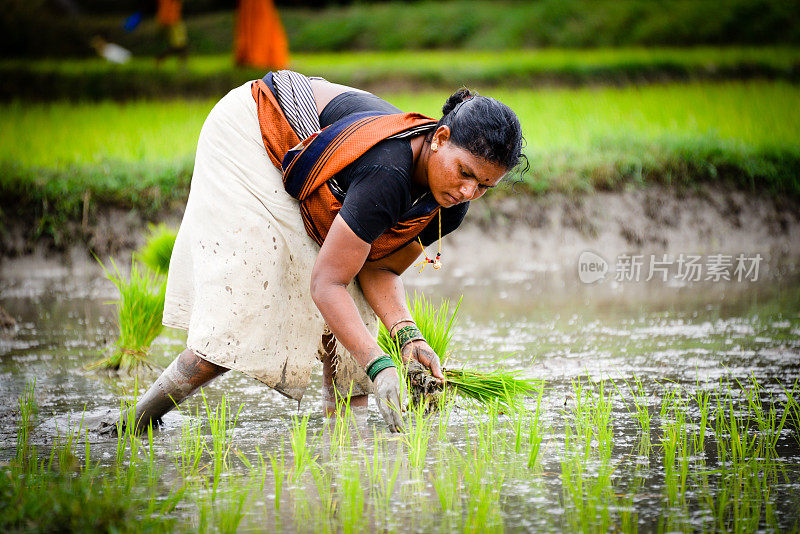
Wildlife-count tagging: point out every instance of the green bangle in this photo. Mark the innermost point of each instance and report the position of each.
(377, 365)
(407, 334)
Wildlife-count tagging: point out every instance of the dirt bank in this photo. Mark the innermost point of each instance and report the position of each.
(507, 232)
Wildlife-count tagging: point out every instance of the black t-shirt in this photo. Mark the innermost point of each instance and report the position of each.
(376, 189)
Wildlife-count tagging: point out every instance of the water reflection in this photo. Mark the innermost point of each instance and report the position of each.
(561, 332)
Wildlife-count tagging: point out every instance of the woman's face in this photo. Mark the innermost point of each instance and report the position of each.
(455, 175)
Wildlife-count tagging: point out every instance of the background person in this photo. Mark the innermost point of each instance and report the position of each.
(260, 39)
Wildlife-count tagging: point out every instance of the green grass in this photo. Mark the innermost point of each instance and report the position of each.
(472, 24)
(214, 75)
(60, 161)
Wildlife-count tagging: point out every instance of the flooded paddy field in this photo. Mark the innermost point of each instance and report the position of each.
(657, 408)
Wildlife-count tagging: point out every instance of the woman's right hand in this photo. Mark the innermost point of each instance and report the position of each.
(387, 394)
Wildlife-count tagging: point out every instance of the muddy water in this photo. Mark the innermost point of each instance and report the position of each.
(542, 320)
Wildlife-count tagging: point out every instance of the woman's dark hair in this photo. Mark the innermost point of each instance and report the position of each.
(484, 126)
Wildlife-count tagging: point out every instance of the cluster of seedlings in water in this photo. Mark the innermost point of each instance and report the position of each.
(714, 456)
(141, 304)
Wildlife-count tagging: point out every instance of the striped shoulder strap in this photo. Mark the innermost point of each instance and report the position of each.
(321, 156)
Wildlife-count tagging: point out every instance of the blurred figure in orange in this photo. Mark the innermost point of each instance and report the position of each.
(260, 38)
(168, 17)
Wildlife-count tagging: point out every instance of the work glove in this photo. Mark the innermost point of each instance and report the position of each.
(424, 354)
(387, 395)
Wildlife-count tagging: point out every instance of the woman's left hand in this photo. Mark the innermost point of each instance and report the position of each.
(424, 354)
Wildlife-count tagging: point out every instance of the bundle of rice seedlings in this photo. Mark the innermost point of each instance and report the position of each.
(139, 312)
(157, 250)
(436, 324)
(501, 385)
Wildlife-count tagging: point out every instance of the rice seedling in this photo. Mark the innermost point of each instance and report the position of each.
(279, 474)
(446, 482)
(230, 509)
(28, 410)
(383, 478)
(339, 434)
(352, 500)
(303, 452)
(157, 250)
(588, 440)
(702, 399)
(769, 425)
(436, 325)
(192, 446)
(675, 446)
(153, 470)
(417, 436)
(482, 485)
(222, 425)
(641, 412)
(324, 484)
(737, 441)
(535, 431)
(792, 407)
(446, 403)
(500, 384)
(139, 313)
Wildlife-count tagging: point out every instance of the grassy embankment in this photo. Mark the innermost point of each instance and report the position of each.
(214, 75)
(32, 30)
(60, 160)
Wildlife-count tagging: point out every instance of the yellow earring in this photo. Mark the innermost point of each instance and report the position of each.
(434, 146)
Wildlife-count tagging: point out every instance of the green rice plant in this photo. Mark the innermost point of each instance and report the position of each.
(64, 453)
(792, 407)
(417, 435)
(737, 440)
(487, 441)
(482, 485)
(770, 426)
(588, 439)
(702, 399)
(230, 509)
(192, 446)
(28, 410)
(324, 484)
(222, 425)
(279, 474)
(139, 313)
(535, 431)
(153, 470)
(383, 479)
(641, 413)
(352, 500)
(742, 498)
(157, 250)
(446, 481)
(338, 429)
(303, 453)
(446, 404)
(675, 446)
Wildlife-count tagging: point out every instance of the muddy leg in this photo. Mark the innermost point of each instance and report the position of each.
(328, 395)
(185, 375)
